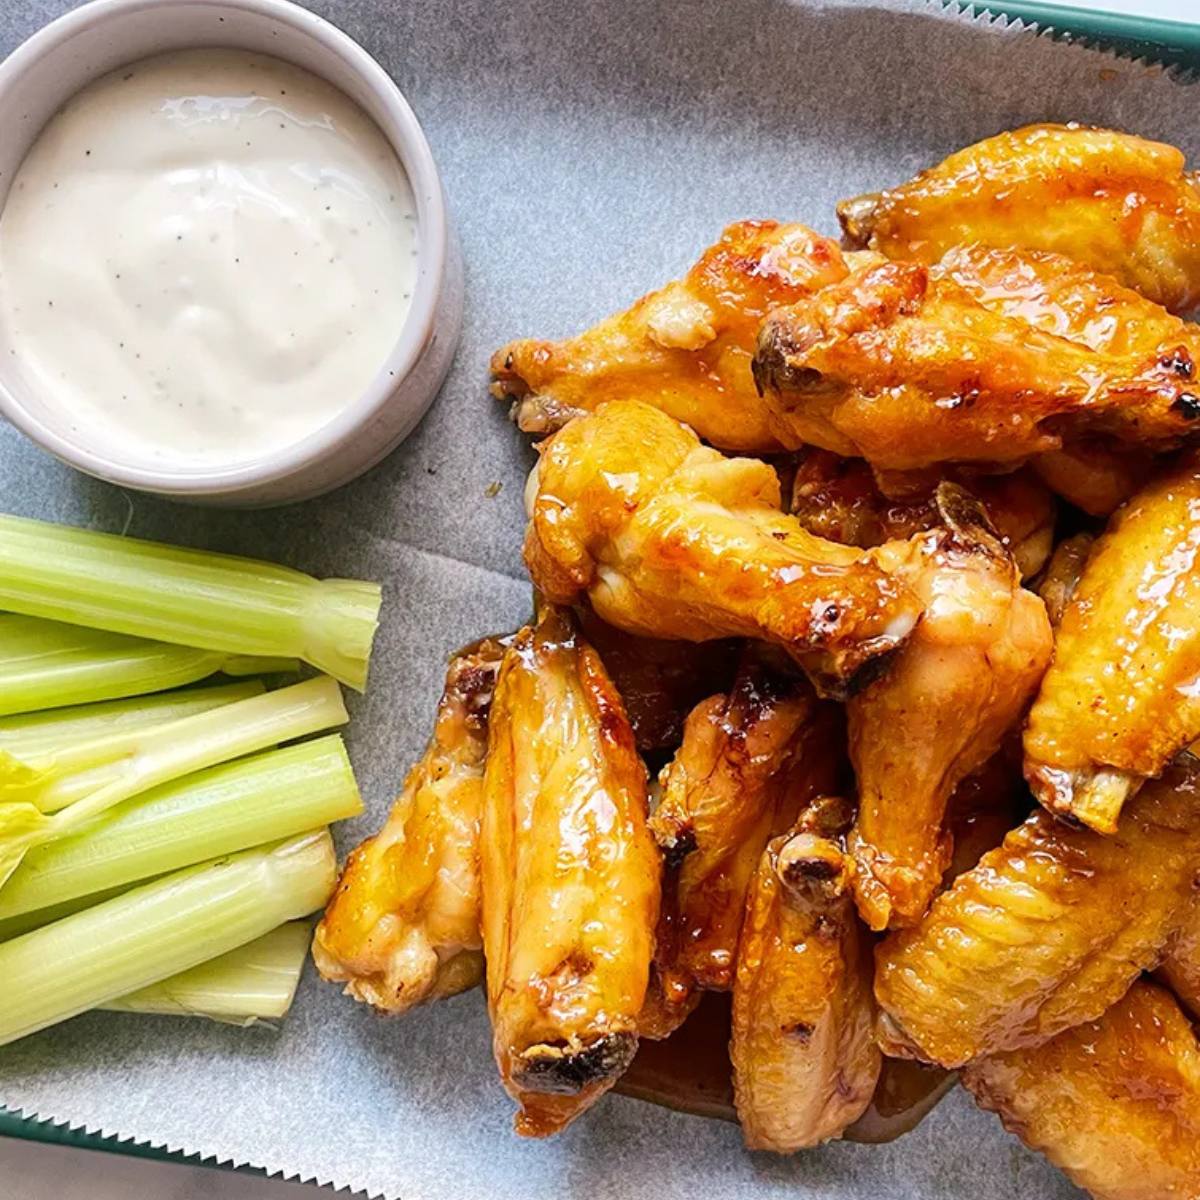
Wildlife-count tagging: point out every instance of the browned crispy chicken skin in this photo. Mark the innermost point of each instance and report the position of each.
(1046, 931)
(570, 877)
(720, 796)
(839, 499)
(902, 365)
(941, 709)
(1115, 1102)
(1117, 203)
(685, 348)
(403, 926)
(805, 1063)
(1123, 694)
(667, 538)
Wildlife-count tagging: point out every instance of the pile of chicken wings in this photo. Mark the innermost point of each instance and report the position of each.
(862, 679)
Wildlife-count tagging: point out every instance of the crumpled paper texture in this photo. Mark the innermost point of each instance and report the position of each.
(589, 152)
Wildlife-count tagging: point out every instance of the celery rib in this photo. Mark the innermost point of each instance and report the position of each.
(28, 734)
(255, 982)
(219, 811)
(190, 597)
(51, 798)
(49, 664)
(158, 930)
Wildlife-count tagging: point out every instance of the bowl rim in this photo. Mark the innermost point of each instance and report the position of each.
(407, 140)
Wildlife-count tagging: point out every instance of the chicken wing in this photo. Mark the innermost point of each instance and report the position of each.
(1118, 203)
(804, 1058)
(1180, 969)
(901, 365)
(659, 681)
(1097, 475)
(950, 695)
(1123, 694)
(839, 499)
(1115, 1103)
(1063, 572)
(719, 800)
(685, 348)
(570, 877)
(403, 925)
(667, 538)
(1046, 932)
(984, 808)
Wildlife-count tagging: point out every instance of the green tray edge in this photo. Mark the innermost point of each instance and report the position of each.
(1149, 36)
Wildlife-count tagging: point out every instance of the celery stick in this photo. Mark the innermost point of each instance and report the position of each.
(143, 759)
(26, 734)
(255, 982)
(191, 597)
(46, 664)
(12, 927)
(218, 811)
(155, 931)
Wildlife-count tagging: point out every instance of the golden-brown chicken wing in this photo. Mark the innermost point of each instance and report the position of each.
(1123, 694)
(1180, 969)
(719, 799)
(839, 499)
(805, 1063)
(983, 810)
(941, 709)
(1097, 475)
(685, 348)
(901, 365)
(667, 538)
(1121, 205)
(1115, 1103)
(403, 925)
(1046, 932)
(570, 877)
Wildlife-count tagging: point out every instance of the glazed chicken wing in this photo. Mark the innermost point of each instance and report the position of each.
(403, 925)
(1180, 969)
(667, 538)
(719, 799)
(1122, 698)
(685, 348)
(1063, 572)
(1046, 932)
(905, 367)
(570, 877)
(941, 709)
(1115, 1102)
(1117, 203)
(840, 499)
(805, 1064)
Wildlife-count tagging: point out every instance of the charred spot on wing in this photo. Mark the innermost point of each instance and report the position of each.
(1179, 362)
(563, 1069)
(1187, 406)
(801, 1031)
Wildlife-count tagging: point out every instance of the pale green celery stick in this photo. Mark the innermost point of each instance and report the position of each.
(191, 597)
(46, 664)
(27, 734)
(148, 758)
(157, 930)
(256, 982)
(12, 927)
(218, 811)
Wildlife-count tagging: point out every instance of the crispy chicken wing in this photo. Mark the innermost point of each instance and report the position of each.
(839, 499)
(1046, 932)
(403, 925)
(667, 538)
(805, 1063)
(941, 710)
(1123, 694)
(1180, 968)
(1115, 1102)
(903, 366)
(719, 799)
(685, 348)
(570, 877)
(1117, 203)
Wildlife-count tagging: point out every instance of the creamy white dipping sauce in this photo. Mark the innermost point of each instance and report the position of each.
(205, 257)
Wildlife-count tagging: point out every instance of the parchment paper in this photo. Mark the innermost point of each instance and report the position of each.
(589, 151)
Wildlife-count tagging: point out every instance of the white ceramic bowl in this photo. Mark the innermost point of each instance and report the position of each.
(39, 76)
